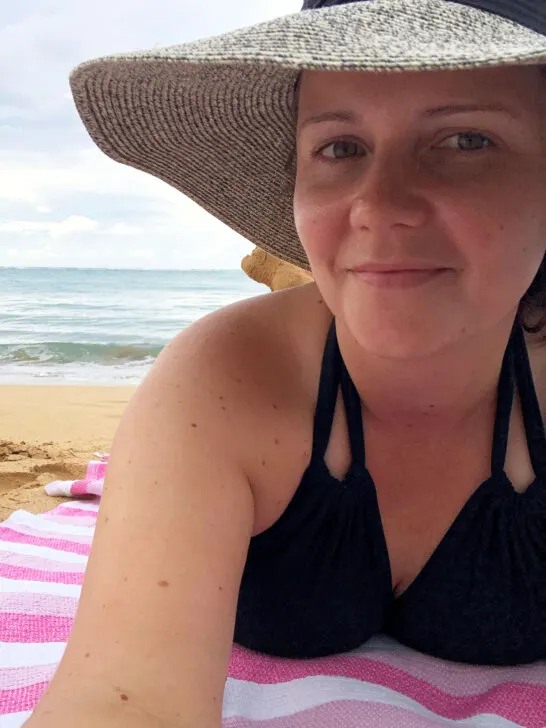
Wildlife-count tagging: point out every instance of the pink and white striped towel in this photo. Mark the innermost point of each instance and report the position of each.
(382, 684)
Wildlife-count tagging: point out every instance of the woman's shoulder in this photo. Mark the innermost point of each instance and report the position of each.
(278, 331)
(257, 357)
(257, 364)
(285, 312)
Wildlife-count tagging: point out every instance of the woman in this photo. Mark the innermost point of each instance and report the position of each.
(364, 453)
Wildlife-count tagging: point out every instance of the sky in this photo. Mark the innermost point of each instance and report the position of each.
(63, 203)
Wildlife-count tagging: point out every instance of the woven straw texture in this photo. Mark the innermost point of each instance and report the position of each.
(214, 117)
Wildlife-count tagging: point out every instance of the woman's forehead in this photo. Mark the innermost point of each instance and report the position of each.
(520, 89)
(522, 82)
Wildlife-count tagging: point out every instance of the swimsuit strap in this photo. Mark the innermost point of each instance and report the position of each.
(327, 395)
(515, 369)
(353, 409)
(532, 416)
(505, 399)
(333, 372)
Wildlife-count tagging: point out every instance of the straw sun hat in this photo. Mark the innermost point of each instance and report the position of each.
(214, 118)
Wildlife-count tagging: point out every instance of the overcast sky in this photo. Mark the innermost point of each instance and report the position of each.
(64, 203)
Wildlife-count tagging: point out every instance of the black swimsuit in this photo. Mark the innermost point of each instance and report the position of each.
(318, 582)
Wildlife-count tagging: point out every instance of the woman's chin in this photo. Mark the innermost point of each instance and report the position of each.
(402, 339)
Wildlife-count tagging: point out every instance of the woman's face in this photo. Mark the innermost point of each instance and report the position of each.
(395, 183)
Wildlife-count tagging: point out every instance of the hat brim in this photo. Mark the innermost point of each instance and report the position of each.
(214, 117)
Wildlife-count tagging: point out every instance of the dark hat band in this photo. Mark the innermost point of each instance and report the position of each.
(529, 13)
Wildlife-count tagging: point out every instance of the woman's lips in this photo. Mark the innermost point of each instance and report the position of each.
(398, 278)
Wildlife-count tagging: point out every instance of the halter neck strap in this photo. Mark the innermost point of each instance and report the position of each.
(328, 387)
(532, 416)
(505, 400)
(515, 370)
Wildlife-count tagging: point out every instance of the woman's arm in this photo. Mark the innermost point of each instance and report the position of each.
(153, 633)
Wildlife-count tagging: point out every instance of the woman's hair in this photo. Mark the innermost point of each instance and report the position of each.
(532, 307)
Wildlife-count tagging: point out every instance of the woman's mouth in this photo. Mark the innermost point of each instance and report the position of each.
(398, 278)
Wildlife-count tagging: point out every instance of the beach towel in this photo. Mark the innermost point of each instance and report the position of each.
(381, 684)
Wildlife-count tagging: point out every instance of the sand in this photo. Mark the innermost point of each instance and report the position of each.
(50, 433)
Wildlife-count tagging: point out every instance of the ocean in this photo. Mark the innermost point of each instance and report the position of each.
(96, 326)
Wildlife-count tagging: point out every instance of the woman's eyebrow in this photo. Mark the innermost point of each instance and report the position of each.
(345, 115)
(461, 108)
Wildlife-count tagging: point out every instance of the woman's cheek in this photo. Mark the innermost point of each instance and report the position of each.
(316, 226)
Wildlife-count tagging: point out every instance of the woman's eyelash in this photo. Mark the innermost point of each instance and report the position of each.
(466, 132)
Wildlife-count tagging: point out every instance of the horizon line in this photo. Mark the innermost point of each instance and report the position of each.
(147, 270)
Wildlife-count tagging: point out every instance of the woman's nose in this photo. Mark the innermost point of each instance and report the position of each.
(388, 191)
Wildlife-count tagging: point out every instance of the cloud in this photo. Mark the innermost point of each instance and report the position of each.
(48, 162)
(122, 228)
(55, 230)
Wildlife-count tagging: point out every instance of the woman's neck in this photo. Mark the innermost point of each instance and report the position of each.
(437, 392)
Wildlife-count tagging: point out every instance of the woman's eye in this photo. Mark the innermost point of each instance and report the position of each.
(470, 141)
(467, 144)
(340, 145)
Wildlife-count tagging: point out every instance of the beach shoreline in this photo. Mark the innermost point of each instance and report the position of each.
(50, 432)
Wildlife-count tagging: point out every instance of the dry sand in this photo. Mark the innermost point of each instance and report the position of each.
(49, 433)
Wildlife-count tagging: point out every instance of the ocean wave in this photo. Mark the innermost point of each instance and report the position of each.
(62, 352)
